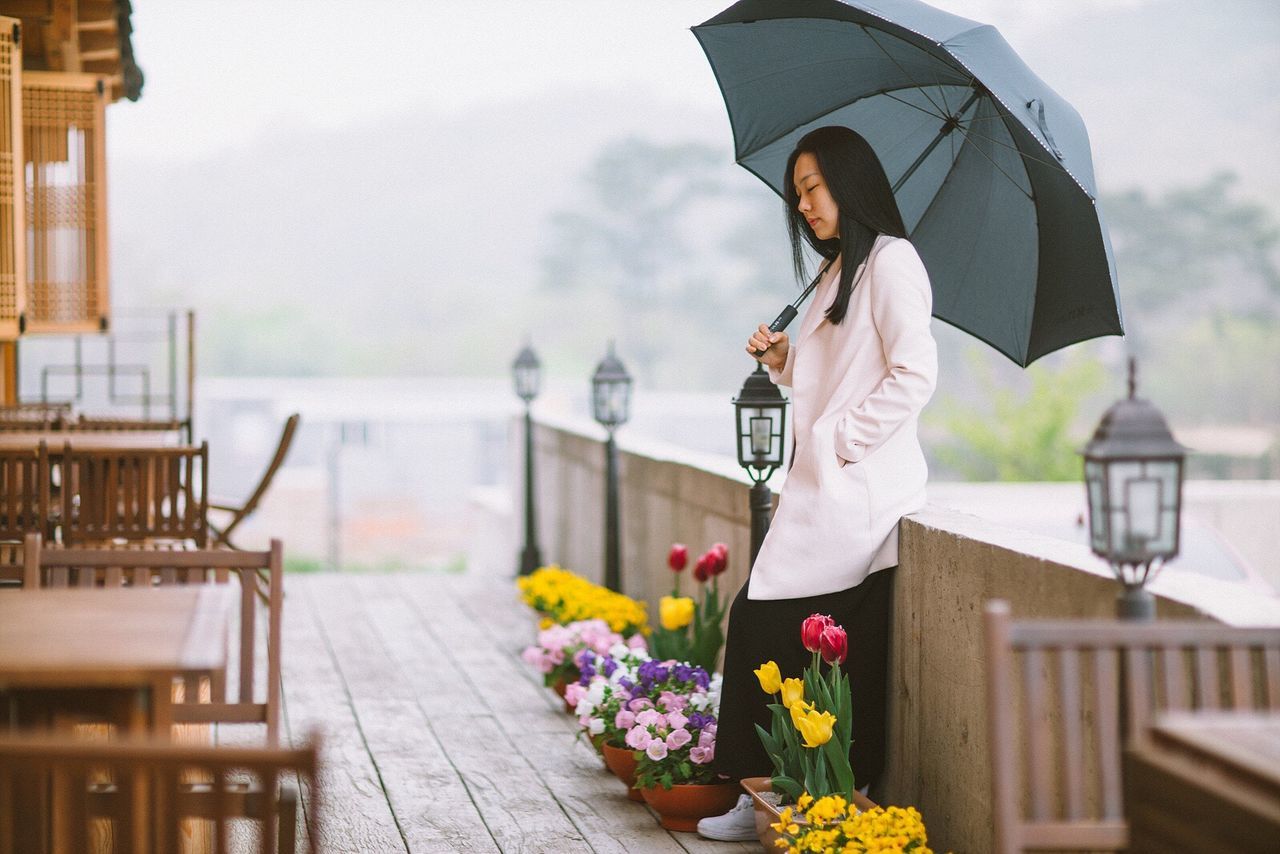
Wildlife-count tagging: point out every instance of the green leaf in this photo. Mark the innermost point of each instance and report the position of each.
(788, 786)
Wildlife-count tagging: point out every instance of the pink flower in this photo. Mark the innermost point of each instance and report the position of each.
(678, 558)
(676, 720)
(639, 704)
(637, 641)
(707, 739)
(638, 738)
(657, 750)
(574, 692)
(624, 719)
(678, 739)
(702, 755)
(556, 656)
(672, 702)
(811, 631)
(648, 717)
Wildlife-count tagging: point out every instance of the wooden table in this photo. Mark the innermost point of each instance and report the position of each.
(55, 439)
(123, 645)
(1205, 782)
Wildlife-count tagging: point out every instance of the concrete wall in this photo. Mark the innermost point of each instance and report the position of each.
(951, 563)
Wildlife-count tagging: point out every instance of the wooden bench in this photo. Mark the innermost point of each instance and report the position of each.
(1065, 697)
(63, 567)
(24, 504)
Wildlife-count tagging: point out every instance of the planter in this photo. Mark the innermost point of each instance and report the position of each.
(622, 762)
(767, 814)
(680, 807)
(559, 687)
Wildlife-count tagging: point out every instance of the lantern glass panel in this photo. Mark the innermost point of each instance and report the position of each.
(761, 435)
(1095, 480)
(1142, 496)
(1168, 474)
(527, 382)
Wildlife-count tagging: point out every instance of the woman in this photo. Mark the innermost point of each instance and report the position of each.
(862, 366)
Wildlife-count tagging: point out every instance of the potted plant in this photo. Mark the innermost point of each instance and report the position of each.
(601, 703)
(673, 766)
(835, 824)
(556, 653)
(690, 630)
(811, 729)
(563, 597)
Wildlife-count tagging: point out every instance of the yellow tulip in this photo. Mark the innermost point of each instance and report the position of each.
(798, 710)
(770, 677)
(675, 612)
(815, 727)
(792, 691)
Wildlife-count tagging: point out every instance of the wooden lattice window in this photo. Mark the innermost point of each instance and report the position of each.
(13, 275)
(64, 125)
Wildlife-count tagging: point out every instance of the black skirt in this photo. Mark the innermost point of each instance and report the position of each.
(762, 630)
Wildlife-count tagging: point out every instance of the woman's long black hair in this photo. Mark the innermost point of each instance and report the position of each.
(861, 191)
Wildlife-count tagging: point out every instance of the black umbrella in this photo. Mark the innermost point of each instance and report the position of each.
(991, 168)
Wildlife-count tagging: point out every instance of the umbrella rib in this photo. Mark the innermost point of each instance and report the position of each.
(1012, 181)
(1014, 148)
(891, 58)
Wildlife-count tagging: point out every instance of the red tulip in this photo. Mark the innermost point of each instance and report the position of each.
(811, 631)
(721, 563)
(701, 570)
(835, 645)
(678, 558)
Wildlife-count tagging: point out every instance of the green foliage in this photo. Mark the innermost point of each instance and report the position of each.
(1032, 436)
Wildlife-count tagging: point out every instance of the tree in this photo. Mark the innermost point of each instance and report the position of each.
(1031, 436)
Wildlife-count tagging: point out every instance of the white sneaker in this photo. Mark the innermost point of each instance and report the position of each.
(737, 825)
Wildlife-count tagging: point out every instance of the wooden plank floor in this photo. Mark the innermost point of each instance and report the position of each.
(437, 737)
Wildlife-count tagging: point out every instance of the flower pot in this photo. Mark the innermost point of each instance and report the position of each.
(622, 762)
(559, 687)
(680, 807)
(767, 814)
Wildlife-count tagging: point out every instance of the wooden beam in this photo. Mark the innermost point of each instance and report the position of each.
(61, 46)
(26, 8)
(102, 25)
(110, 54)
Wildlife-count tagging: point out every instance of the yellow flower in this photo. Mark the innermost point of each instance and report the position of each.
(675, 612)
(798, 710)
(815, 727)
(770, 677)
(804, 800)
(792, 690)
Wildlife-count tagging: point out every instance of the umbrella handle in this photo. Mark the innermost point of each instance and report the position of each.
(784, 319)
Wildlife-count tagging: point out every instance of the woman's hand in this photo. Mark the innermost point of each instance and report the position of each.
(769, 348)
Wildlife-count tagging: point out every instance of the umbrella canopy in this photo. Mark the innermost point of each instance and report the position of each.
(990, 167)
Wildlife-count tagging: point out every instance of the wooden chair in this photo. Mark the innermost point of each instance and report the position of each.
(222, 533)
(62, 567)
(24, 504)
(60, 794)
(27, 417)
(96, 424)
(1064, 697)
(144, 496)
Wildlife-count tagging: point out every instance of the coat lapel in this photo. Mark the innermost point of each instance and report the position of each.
(829, 291)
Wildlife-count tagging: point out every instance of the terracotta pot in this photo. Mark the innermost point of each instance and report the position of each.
(767, 814)
(680, 807)
(622, 762)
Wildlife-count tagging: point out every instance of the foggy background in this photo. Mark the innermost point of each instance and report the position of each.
(410, 191)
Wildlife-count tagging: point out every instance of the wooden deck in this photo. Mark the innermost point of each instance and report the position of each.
(437, 737)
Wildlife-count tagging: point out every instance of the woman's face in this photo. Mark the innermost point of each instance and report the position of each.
(815, 203)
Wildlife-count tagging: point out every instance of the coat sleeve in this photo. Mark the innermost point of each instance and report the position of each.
(901, 305)
(783, 376)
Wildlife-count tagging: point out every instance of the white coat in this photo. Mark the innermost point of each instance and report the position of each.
(857, 391)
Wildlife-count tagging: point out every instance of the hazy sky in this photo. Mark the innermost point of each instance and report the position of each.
(222, 74)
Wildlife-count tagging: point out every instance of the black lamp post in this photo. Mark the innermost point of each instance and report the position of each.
(1133, 476)
(610, 404)
(527, 372)
(762, 419)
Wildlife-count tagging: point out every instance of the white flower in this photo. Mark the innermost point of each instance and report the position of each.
(584, 707)
(699, 701)
(713, 692)
(595, 691)
(596, 726)
(619, 651)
